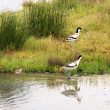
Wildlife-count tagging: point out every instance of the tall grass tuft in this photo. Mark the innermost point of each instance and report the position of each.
(44, 19)
(7, 29)
(65, 4)
(12, 32)
(55, 61)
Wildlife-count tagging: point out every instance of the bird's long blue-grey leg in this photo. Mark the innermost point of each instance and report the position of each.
(68, 74)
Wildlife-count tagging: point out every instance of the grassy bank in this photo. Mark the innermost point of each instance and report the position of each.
(46, 53)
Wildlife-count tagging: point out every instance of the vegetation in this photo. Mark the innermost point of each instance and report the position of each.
(44, 19)
(53, 23)
(12, 31)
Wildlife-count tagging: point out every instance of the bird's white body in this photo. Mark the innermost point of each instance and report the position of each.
(74, 37)
(72, 65)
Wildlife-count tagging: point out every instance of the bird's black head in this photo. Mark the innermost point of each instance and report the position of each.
(79, 28)
(80, 56)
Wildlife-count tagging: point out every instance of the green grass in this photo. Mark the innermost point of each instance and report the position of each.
(34, 56)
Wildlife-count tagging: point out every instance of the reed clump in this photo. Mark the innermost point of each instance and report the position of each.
(12, 31)
(45, 19)
(65, 4)
(55, 61)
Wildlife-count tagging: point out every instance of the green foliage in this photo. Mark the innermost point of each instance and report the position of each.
(65, 4)
(94, 65)
(43, 19)
(51, 69)
(55, 61)
(12, 32)
(7, 29)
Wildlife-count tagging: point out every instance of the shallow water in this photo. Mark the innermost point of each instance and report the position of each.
(43, 93)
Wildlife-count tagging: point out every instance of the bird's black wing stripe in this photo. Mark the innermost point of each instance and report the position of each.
(72, 37)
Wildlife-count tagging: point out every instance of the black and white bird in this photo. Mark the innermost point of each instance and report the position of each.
(71, 66)
(74, 37)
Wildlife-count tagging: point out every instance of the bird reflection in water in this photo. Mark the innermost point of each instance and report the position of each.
(71, 91)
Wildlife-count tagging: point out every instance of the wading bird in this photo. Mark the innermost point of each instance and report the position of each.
(74, 37)
(71, 66)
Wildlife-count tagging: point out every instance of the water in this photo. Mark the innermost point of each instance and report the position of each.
(48, 93)
(31, 93)
(13, 4)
